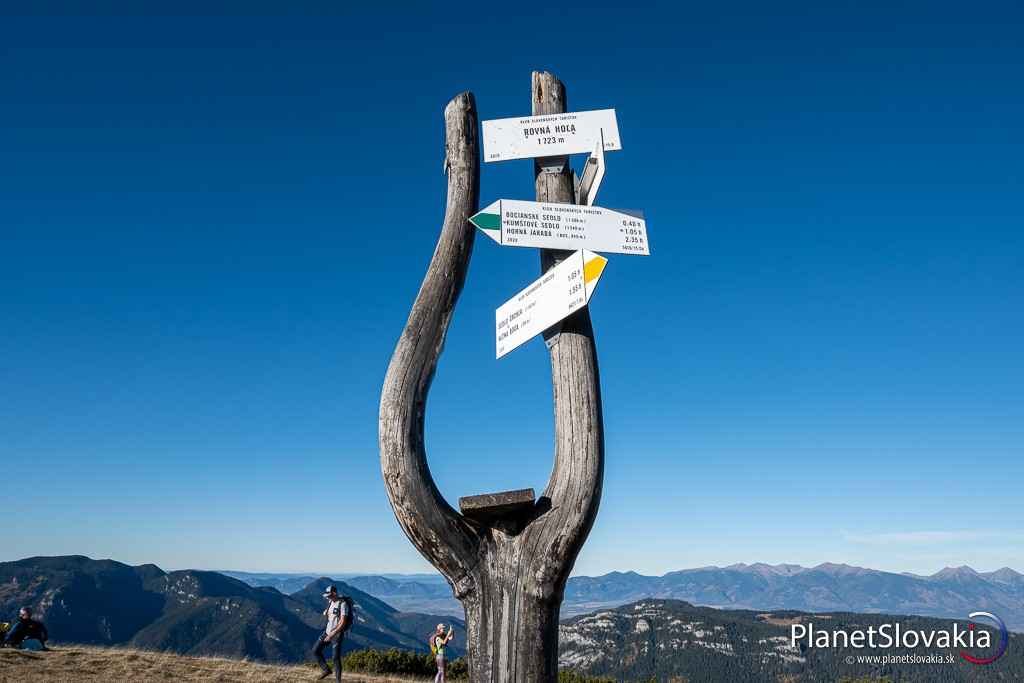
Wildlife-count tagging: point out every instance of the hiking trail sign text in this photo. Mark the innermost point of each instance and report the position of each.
(517, 223)
(551, 298)
(529, 137)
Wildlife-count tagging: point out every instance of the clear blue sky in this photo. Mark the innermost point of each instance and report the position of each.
(213, 227)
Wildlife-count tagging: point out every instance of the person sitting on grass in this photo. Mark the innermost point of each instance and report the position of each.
(27, 628)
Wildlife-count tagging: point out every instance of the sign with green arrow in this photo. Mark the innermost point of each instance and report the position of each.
(517, 223)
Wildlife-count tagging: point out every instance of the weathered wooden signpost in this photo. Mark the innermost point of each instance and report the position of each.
(506, 555)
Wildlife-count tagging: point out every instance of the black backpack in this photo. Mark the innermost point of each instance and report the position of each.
(351, 613)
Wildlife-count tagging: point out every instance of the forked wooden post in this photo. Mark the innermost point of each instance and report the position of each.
(508, 571)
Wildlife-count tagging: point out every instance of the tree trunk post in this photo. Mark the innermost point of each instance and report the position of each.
(509, 572)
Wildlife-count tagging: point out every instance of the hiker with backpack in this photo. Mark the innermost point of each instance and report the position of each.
(339, 615)
(438, 640)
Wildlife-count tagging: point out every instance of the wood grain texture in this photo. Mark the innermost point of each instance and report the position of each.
(509, 573)
(437, 531)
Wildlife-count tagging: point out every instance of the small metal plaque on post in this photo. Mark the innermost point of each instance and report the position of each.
(554, 165)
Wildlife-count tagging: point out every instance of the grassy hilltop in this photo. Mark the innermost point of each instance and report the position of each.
(90, 664)
(87, 664)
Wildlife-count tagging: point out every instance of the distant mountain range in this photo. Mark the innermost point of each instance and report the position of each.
(209, 613)
(671, 640)
(421, 585)
(414, 593)
(284, 583)
(197, 612)
(952, 592)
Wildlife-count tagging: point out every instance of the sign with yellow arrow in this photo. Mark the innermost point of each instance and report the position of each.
(550, 299)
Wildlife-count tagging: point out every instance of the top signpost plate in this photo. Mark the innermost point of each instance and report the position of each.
(551, 135)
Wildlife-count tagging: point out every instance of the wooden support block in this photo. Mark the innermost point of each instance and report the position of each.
(494, 506)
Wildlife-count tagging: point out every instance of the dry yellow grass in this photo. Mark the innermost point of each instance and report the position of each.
(82, 663)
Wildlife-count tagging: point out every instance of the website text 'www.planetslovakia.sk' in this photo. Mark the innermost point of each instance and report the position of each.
(911, 658)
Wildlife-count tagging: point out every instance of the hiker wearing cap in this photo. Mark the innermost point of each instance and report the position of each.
(27, 628)
(437, 642)
(339, 617)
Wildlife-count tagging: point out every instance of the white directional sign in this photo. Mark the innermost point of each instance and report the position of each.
(551, 135)
(593, 174)
(516, 223)
(565, 288)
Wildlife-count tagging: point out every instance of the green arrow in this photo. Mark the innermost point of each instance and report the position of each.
(487, 221)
